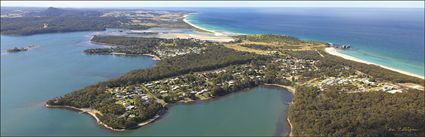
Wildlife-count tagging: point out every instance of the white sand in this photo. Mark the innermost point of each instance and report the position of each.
(200, 36)
(289, 88)
(333, 51)
(216, 33)
(198, 27)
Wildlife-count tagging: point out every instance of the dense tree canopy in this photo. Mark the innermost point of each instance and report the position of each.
(333, 113)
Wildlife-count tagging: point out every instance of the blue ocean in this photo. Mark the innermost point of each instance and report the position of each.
(392, 37)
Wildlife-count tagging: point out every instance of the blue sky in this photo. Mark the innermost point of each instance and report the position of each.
(82, 4)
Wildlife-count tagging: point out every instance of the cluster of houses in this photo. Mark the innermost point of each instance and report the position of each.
(200, 84)
(359, 80)
(353, 79)
(172, 52)
(362, 84)
(126, 95)
(295, 66)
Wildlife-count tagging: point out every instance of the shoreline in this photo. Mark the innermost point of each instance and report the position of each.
(290, 127)
(154, 57)
(289, 88)
(334, 52)
(106, 45)
(292, 90)
(216, 33)
(88, 111)
(185, 20)
(93, 113)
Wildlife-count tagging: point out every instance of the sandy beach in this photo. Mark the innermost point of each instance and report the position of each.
(334, 52)
(154, 57)
(149, 121)
(216, 33)
(290, 126)
(290, 89)
(198, 27)
(217, 36)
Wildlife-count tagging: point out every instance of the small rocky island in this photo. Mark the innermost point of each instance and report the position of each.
(16, 49)
(339, 46)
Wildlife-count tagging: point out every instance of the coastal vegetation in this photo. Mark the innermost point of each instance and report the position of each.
(327, 87)
(268, 38)
(334, 113)
(53, 20)
(37, 25)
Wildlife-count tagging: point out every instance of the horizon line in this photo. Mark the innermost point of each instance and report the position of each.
(215, 4)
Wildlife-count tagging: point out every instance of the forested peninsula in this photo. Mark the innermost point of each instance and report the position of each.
(333, 96)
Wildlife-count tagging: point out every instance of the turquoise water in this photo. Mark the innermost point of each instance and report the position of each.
(58, 66)
(393, 37)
